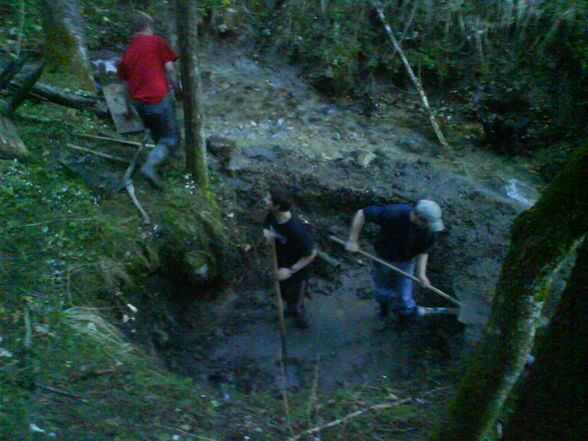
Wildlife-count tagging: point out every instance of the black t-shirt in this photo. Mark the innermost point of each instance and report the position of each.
(399, 239)
(293, 241)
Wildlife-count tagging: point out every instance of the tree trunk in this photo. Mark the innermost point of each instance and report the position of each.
(65, 42)
(541, 239)
(552, 406)
(190, 76)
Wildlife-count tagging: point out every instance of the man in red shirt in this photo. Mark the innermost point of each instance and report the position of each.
(147, 67)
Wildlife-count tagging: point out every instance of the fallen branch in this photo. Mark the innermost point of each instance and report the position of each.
(60, 392)
(412, 76)
(120, 141)
(56, 96)
(100, 154)
(348, 417)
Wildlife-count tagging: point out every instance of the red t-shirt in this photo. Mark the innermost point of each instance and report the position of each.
(143, 67)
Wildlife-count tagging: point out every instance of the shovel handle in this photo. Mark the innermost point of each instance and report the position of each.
(398, 270)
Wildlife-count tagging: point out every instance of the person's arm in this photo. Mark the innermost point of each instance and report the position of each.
(421, 269)
(286, 273)
(356, 227)
(172, 76)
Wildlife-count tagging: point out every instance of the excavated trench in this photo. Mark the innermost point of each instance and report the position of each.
(232, 341)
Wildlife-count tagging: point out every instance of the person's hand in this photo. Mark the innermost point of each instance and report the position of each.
(284, 273)
(352, 246)
(424, 281)
(269, 236)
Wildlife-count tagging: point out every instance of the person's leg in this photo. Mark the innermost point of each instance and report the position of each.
(161, 121)
(404, 304)
(384, 292)
(293, 291)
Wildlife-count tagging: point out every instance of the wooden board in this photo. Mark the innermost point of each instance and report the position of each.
(125, 117)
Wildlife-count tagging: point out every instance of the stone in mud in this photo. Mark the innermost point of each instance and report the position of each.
(11, 146)
(365, 159)
(221, 147)
(262, 152)
(238, 163)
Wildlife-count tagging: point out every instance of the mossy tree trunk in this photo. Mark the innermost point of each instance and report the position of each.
(550, 407)
(541, 239)
(187, 29)
(65, 45)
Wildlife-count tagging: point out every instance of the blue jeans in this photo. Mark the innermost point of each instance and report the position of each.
(161, 121)
(394, 289)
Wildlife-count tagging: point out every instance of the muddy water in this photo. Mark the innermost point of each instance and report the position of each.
(346, 344)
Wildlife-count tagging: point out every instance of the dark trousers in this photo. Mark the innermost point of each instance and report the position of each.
(162, 123)
(293, 291)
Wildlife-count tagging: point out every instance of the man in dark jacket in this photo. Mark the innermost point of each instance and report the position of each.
(295, 251)
(148, 69)
(406, 235)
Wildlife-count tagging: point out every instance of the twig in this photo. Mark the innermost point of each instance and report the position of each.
(348, 417)
(60, 392)
(28, 341)
(182, 431)
(118, 140)
(65, 219)
(312, 397)
(21, 22)
(412, 76)
(100, 154)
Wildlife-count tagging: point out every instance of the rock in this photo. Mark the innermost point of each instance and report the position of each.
(221, 147)
(238, 163)
(365, 159)
(263, 152)
(11, 146)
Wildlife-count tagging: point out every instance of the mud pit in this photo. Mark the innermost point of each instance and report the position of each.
(346, 344)
(287, 134)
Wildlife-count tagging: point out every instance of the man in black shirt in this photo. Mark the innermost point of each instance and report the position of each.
(405, 238)
(294, 249)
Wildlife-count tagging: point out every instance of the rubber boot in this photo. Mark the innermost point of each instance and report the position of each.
(149, 169)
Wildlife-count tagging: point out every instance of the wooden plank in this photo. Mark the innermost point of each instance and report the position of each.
(125, 117)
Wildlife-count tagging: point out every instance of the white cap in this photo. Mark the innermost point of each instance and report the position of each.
(430, 212)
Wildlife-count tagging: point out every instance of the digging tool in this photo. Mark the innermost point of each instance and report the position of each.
(466, 314)
(128, 184)
(280, 304)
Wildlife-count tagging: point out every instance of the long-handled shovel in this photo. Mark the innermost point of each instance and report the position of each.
(284, 354)
(280, 304)
(465, 314)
